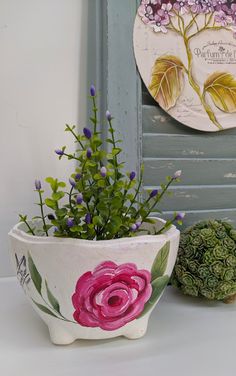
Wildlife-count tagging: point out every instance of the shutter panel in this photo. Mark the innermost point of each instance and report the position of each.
(208, 160)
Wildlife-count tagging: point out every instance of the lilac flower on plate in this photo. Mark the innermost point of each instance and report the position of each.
(218, 4)
(233, 12)
(167, 9)
(160, 22)
(182, 6)
(207, 6)
(196, 6)
(147, 10)
(223, 19)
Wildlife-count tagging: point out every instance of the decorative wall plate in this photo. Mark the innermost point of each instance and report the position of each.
(186, 54)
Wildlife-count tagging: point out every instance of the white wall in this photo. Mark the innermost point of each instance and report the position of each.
(43, 85)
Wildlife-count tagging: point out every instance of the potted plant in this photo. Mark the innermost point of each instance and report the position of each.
(96, 264)
(206, 261)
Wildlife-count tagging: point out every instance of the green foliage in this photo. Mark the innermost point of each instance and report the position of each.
(206, 262)
(102, 201)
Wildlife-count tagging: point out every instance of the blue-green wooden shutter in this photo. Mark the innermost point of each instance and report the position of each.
(208, 160)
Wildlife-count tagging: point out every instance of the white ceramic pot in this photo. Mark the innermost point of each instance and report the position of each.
(94, 289)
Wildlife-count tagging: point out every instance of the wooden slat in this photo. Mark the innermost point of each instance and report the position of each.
(196, 216)
(198, 198)
(195, 171)
(155, 120)
(189, 146)
(122, 90)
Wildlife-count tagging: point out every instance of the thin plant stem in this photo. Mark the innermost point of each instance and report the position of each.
(95, 110)
(75, 136)
(114, 146)
(136, 194)
(23, 219)
(42, 212)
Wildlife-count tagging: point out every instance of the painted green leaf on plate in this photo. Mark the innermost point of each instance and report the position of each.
(52, 299)
(222, 88)
(35, 276)
(160, 262)
(167, 80)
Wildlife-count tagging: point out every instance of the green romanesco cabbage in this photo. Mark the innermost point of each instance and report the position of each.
(206, 262)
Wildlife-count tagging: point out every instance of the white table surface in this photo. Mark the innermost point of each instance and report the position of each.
(187, 337)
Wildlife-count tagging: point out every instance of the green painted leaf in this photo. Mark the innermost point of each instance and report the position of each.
(54, 302)
(222, 88)
(167, 80)
(35, 276)
(52, 204)
(56, 196)
(160, 262)
(44, 309)
(158, 286)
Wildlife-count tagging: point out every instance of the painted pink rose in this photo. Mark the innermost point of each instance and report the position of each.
(111, 296)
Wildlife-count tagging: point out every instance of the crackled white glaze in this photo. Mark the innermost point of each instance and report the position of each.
(62, 262)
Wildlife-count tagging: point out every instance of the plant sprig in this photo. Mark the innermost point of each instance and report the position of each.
(102, 202)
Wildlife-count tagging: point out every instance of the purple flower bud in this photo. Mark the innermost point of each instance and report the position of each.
(138, 224)
(87, 133)
(133, 228)
(38, 185)
(79, 199)
(132, 175)
(89, 153)
(88, 219)
(78, 177)
(72, 183)
(51, 217)
(108, 116)
(56, 229)
(154, 193)
(180, 216)
(103, 172)
(177, 174)
(70, 222)
(92, 91)
(59, 152)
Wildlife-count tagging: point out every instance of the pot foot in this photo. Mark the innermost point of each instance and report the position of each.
(60, 336)
(136, 333)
